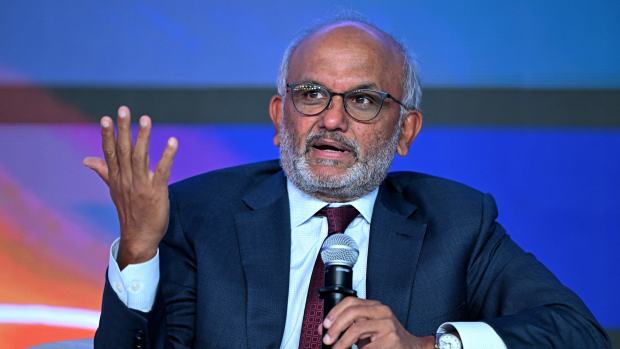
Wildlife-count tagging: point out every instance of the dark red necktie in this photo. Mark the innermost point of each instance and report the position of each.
(338, 218)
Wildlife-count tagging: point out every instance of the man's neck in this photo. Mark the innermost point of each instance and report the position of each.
(331, 195)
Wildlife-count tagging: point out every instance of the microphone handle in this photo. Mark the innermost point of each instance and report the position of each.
(338, 285)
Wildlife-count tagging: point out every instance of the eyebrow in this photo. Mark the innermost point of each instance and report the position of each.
(369, 85)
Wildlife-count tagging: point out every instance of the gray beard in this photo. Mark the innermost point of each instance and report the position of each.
(364, 176)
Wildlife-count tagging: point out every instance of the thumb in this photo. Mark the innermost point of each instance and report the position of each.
(98, 165)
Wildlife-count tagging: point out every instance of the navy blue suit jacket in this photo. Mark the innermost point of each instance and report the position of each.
(436, 254)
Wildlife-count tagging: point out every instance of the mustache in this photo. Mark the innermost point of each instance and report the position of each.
(348, 144)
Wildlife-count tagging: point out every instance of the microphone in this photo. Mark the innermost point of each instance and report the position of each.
(339, 253)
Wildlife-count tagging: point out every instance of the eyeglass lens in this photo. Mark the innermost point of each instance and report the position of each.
(312, 99)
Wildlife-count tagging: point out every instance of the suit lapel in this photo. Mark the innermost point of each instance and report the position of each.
(264, 243)
(394, 248)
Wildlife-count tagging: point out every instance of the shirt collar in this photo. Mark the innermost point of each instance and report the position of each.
(304, 206)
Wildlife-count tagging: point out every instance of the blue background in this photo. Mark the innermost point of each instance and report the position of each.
(213, 43)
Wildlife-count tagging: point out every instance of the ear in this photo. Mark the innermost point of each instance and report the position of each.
(275, 113)
(412, 124)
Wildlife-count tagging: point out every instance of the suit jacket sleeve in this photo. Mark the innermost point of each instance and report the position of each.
(170, 323)
(521, 299)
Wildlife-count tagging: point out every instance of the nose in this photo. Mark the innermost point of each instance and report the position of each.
(335, 117)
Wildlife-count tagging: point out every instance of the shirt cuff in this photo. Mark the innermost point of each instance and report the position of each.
(136, 285)
(474, 334)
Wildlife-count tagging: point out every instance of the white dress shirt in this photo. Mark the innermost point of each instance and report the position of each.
(137, 283)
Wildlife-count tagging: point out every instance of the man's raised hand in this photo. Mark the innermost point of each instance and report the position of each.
(139, 194)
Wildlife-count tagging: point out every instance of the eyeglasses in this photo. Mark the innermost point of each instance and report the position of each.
(363, 104)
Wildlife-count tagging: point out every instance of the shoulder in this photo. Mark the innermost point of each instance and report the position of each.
(441, 199)
(428, 185)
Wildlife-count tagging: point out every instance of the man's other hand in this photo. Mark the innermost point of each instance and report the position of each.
(139, 194)
(370, 325)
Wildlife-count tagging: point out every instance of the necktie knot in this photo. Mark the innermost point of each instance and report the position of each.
(338, 218)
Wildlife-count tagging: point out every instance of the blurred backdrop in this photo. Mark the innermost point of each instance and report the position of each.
(521, 100)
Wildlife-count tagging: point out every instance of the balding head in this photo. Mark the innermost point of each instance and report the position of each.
(348, 32)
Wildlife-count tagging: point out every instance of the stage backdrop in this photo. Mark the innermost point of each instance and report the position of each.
(521, 101)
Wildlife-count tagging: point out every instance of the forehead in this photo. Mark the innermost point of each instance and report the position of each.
(346, 55)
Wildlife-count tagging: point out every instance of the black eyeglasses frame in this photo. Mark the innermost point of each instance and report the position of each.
(343, 95)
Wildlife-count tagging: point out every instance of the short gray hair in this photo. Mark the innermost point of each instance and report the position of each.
(412, 89)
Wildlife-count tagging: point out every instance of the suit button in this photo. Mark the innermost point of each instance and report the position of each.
(139, 340)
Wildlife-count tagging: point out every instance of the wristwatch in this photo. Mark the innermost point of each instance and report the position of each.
(448, 341)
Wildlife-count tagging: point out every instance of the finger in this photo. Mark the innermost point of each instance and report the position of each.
(162, 172)
(109, 147)
(388, 340)
(381, 343)
(123, 143)
(366, 310)
(339, 308)
(356, 332)
(148, 164)
(98, 165)
(342, 307)
(141, 150)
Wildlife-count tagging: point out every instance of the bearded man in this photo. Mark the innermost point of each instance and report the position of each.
(228, 259)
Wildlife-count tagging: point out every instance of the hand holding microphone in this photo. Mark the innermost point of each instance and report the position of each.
(350, 320)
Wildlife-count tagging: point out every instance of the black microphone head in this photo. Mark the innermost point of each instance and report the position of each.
(339, 249)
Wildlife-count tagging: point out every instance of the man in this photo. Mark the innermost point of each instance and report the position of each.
(228, 261)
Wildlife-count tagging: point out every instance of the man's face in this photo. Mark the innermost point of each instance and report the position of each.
(331, 155)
